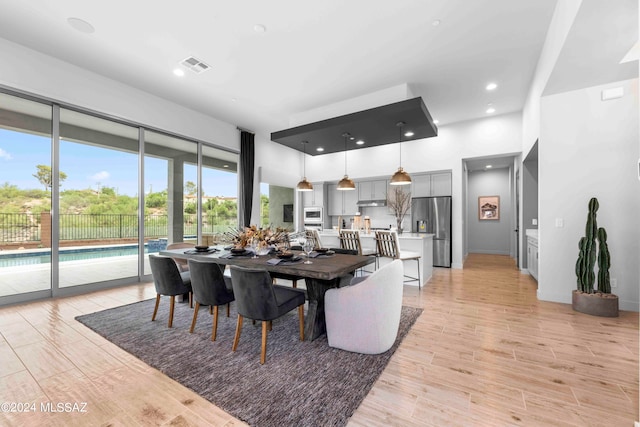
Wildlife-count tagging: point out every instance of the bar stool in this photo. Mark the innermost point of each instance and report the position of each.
(388, 247)
(350, 239)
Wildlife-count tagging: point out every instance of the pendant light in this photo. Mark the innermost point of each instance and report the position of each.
(346, 183)
(304, 185)
(400, 177)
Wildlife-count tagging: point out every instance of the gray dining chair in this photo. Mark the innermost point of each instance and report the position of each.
(169, 281)
(210, 287)
(257, 298)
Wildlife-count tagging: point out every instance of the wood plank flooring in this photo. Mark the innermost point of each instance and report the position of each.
(485, 352)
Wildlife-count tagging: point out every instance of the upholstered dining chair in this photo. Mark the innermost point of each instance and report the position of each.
(182, 263)
(365, 316)
(388, 246)
(257, 298)
(210, 287)
(168, 281)
(350, 239)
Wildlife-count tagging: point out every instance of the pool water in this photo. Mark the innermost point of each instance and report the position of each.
(44, 257)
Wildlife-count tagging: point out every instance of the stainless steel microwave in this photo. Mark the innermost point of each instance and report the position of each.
(313, 215)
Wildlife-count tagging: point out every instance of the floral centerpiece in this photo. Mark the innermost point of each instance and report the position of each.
(264, 238)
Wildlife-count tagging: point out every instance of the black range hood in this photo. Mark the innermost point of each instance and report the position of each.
(376, 126)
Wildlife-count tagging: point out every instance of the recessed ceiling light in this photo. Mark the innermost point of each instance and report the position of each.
(491, 86)
(409, 133)
(320, 149)
(225, 166)
(259, 28)
(491, 110)
(360, 142)
(436, 121)
(178, 72)
(435, 22)
(489, 166)
(81, 25)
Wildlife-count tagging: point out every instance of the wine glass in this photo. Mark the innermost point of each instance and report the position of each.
(254, 247)
(307, 246)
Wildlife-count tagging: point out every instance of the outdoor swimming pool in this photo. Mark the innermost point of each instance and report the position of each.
(44, 256)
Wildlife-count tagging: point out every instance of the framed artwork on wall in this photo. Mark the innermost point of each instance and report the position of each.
(488, 208)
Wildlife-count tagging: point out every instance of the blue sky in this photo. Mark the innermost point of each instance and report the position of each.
(87, 166)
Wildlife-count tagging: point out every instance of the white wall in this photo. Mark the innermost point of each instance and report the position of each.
(497, 135)
(589, 148)
(42, 75)
(490, 236)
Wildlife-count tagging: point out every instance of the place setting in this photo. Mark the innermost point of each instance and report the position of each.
(201, 249)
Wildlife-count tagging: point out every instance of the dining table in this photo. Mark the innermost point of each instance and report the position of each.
(326, 271)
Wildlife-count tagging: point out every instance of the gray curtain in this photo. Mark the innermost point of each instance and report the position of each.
(247, 162)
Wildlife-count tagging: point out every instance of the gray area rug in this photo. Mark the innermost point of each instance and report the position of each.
(301, 384)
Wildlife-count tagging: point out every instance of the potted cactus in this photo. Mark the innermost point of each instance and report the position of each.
(593, 247)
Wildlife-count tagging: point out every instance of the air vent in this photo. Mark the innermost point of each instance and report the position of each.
(195, 65)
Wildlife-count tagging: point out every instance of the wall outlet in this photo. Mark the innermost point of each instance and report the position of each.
(614, 283)
(534, 221)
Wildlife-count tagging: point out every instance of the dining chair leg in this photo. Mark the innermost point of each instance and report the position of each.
(155, 310)
(263, 352)
(211, 310)
(171, 308)
(214, 328)
(294, 283)
(228, 309)
(190, 299)
(236, 338)
(419, 281)
(270, 325)
(195, 317)
(301, 320)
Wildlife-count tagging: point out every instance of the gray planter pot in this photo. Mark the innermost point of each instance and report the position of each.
(595, 304)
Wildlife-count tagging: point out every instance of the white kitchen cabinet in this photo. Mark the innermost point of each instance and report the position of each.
(421, 185)
(532, 256)
(341, 202)
(372, 190)
(431, 184)
(441, 184)
(315, 197)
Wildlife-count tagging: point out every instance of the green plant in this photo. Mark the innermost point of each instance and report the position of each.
(594, 242)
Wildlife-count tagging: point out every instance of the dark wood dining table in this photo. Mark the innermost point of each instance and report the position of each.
(325, 272)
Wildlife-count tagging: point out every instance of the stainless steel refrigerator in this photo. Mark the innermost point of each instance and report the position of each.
(433, 215)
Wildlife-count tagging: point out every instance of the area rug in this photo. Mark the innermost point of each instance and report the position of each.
(301, 383)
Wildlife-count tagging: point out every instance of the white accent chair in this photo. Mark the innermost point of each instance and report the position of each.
(364, 317)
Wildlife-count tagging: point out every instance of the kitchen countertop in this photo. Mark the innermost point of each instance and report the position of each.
(532, 232)
(403, 236)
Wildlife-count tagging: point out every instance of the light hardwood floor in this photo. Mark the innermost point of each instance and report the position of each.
(485, 352)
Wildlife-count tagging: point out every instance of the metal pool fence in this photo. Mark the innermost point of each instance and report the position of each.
(23, 227)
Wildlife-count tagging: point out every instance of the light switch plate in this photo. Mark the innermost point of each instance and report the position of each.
(534, 221)
(559, 222)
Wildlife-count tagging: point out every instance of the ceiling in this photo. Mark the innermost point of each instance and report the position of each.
(311, 54)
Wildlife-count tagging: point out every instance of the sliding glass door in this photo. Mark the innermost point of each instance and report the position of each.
(25, 196)
(98, 217)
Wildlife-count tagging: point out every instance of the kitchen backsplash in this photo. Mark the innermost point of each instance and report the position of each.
(380, 217)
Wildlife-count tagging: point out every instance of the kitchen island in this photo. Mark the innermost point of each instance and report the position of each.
(421, 243)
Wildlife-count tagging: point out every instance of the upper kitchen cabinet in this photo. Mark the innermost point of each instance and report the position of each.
(372, 190)
(341, 202)
(431, 184)
(441, 184)
(315, 197)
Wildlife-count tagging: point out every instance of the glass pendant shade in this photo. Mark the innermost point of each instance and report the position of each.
(401, 177)
(304, 185)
